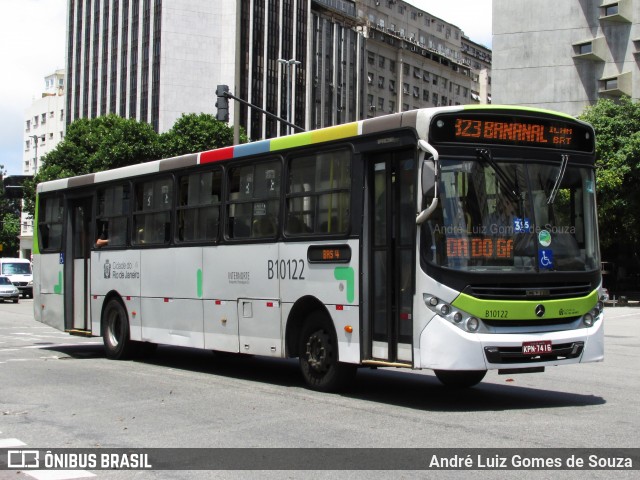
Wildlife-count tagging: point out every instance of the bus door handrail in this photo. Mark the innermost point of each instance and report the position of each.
(435, 156)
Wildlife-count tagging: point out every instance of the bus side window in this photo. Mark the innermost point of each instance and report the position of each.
(152, 215)
(254, 200)
(50, 223)
(113, 212)
(318, 194)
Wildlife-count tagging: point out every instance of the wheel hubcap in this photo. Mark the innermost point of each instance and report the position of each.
(318, 351)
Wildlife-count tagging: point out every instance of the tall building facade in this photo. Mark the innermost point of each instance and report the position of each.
(320, 60)
(44, 126)
(415, 60)
(565, 55)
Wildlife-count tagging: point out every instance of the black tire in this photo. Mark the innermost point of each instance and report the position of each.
(460, 378)
(16, 300)
(318, 350)
(115, 331)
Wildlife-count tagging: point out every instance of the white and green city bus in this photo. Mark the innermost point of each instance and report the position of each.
(459, 239)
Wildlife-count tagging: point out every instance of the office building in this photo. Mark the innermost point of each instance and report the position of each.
(326, 61)
(565, 55)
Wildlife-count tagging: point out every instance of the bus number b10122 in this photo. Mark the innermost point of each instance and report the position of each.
(285, 269)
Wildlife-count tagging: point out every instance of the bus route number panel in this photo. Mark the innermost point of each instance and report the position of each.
(511, 130)
(329, 254)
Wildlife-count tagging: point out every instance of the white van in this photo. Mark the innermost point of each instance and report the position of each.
(19, 272)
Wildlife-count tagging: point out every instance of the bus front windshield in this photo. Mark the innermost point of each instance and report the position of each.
(510, 216)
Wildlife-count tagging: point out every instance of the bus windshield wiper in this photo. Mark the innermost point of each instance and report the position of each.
(556, 186)
(484, 154)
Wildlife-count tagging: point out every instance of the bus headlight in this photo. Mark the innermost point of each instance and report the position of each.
(587, 319)
(464, 321)
(472, 324)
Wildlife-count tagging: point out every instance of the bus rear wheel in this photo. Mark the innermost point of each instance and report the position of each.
(115, 331)
(319, 356)
(460, 378)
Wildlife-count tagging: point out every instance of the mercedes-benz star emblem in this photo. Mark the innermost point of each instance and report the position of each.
(540, 310)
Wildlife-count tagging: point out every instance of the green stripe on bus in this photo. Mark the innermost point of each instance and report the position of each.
(290, 141)
(36, 246)
(525, 309)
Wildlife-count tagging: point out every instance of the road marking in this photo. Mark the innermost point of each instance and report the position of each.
(10, 443)
(58, 474)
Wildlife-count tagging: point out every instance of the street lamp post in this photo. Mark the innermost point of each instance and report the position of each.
(289, 65)
(35, 157)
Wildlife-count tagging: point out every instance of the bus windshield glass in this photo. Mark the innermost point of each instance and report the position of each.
(509, 216)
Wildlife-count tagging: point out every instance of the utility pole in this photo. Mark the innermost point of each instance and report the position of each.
(35, 157)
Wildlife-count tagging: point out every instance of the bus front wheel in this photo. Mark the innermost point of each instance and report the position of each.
(460, 378)
(319, 356)
(115, 331)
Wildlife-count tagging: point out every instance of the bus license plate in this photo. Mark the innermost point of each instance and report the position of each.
(536, 348)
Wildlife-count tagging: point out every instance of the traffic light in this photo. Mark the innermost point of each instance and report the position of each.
(222, 103)
(13, 185)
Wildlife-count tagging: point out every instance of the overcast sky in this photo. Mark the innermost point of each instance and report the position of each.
(32, 36)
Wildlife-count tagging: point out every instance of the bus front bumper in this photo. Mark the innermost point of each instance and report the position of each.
(443, 346)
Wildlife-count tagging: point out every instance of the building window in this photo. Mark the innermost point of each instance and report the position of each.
(610, 83)
(370, 78)
(405, 88)
(405, 107)
(380, 82)
(370, 100)
(392, 65)
(425, 95)
(416, 72)
(392, 85)
(371, 58)
(381, 61)
(584, 48)
(611, 10)
(392, 106)
(381, 104)
(416, 92)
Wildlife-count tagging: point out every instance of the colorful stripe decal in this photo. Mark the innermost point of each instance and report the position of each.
(281, 143)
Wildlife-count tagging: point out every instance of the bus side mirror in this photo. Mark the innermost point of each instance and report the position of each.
(428, 178)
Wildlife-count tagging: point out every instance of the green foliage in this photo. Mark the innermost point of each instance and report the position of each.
(103, 143)
(9, 222)
(196, 133)
(617, 126)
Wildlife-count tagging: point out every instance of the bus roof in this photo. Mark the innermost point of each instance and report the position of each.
(390, 122)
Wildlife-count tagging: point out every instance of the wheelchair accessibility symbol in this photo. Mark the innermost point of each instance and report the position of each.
(545, 259)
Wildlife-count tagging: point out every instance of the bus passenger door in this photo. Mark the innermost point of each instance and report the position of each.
(76, 251)
(391, 245)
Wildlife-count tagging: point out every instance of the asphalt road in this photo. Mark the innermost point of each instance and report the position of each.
(58, 391)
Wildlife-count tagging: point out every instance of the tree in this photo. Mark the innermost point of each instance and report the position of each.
(196, 133)
(94, 145)
(9, 222)
(617, 126)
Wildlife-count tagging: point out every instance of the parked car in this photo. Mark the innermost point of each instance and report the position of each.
(8, 291)
(19, 272)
